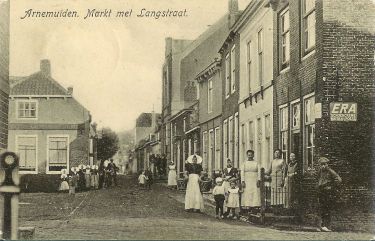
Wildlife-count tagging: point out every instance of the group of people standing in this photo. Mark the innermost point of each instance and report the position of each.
(83, 178)
(79, 178)
(241, 188)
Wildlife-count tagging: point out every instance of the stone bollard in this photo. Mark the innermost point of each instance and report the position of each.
(26, 233)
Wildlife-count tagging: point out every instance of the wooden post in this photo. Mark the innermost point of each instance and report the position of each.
(9, 189)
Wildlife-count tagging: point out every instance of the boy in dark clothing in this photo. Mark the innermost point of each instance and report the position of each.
(328, 180)
(149, 181)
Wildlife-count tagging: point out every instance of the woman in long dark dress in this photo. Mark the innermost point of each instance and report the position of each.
(193, 197)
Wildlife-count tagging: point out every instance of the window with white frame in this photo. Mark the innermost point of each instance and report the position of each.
(184, 156)
(195, 146)
(284, 38)
(211, 139)
(58, 155)
(190, 150)
(295, 116)
(27, 151)
(184, 124)
(227, 76)
(284, 131)
(259, 150)
(236, 144)
(267, 135)
(243, 141)
(309, 122)
(260, 57)
(217, 149)
(249, 60)
(233, 68)
(167, 135)
(198, 90)
(230, 136)
(210, 95)
(308, 25)
(27, 109)
(205, 147)
(225, 141)
(251, 135)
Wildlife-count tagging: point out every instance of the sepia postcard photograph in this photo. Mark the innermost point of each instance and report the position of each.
(187, 120)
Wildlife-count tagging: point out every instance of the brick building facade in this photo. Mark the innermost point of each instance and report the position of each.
(324, 54)
(4, 73)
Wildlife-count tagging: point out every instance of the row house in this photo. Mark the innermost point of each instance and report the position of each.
(146, 139)
(48, 128)
(255, 67)
(196, 56)
(230, 52)
(172, 90)
(4, 73)
(293, 75)
(210, 110)
(323, 103)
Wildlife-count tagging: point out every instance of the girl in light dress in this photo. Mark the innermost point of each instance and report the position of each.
(142, 179)
(233, 199)
(172, 176)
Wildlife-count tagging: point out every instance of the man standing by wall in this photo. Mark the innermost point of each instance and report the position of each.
(328, 180)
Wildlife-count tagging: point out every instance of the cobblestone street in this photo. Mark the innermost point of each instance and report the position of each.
(125, 212)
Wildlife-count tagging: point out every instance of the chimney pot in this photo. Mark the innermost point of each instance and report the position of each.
(233, 6)
(70, 90)
(45, 67)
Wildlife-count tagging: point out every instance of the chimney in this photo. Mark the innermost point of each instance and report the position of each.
(45, 67)
(233, 6)
(70, 90)
(233, 12)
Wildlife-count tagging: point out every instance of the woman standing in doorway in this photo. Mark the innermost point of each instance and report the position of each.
(277, 178)
(250, 174)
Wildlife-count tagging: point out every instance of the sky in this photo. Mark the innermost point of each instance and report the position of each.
(113, 64)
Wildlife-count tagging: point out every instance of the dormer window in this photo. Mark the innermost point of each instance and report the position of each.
(27, 109)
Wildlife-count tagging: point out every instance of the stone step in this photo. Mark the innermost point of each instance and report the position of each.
(26, 233)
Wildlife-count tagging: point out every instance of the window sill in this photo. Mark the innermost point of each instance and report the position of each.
(283, 71)
(25, 119)
(54, 172)
(312, 52)
(28, 172)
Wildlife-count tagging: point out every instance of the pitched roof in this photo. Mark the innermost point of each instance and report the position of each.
(36, 84)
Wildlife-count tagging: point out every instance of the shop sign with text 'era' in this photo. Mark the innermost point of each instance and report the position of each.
(343, 111)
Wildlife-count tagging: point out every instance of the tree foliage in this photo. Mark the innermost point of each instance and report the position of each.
(108, 145)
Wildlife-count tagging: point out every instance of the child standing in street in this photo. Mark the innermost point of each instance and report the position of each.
(219, 196)
(142, 180)
(233, 199)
